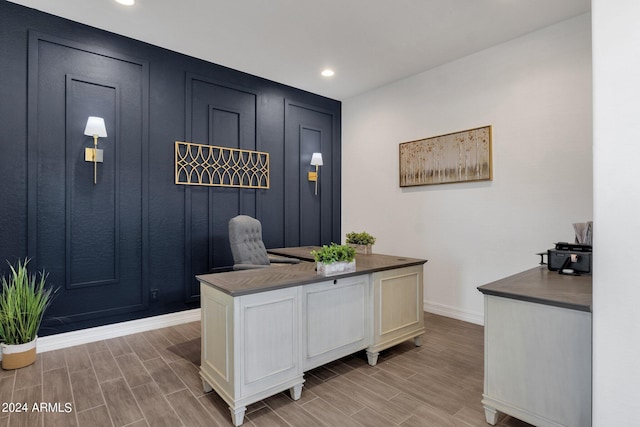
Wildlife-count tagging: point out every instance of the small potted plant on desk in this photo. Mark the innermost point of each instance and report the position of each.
(362, 242)
(335, 259)
(23, 301)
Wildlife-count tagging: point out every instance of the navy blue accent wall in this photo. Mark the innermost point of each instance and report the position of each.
(108, 245)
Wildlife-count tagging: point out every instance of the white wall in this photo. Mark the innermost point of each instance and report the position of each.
(536, 93)
(616, 323)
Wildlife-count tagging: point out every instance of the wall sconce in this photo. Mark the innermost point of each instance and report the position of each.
(316, 160)
(96, 128)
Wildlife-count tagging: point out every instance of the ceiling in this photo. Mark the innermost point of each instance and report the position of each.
(369, 43)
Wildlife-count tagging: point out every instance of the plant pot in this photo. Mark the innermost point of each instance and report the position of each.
(15, 356)
(362, 249)
(339, 267)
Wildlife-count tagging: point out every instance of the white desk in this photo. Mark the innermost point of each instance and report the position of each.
(262, 329)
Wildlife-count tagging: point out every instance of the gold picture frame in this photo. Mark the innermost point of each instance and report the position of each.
(463, 156)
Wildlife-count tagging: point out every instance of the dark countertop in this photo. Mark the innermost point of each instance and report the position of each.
(301, 252)
(539, 285)
(276, 276)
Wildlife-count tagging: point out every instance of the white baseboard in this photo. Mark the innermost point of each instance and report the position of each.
(84, 336)
(454, 312)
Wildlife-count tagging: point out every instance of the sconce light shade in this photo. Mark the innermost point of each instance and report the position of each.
(95, 126)
(316, 159)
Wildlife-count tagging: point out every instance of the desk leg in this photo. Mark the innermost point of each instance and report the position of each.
(206, 387)
(372, 357)
(237, 415)
(296, 391)
(491, 415)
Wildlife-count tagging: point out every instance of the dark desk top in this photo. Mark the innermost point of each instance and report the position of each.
(539, 285)
(373, 262)
(276, 276)
(300, 252)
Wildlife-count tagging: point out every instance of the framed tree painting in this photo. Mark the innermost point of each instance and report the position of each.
(455, 157)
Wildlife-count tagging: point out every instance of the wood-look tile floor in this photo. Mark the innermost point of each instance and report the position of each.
(151, 379)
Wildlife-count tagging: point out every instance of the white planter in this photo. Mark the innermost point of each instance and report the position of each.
(18, 355)
(335, 268)
(362, 249)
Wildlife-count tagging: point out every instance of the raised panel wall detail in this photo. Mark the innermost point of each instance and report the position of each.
(107, 245)
(223, 116)
(309, 216)
(87, 233)
(311, 141)
(87, 236)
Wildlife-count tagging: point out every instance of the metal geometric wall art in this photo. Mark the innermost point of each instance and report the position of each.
(209, 165)
(455, 157)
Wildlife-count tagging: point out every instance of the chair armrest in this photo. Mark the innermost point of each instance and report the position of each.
(282, 259)
(248, 266)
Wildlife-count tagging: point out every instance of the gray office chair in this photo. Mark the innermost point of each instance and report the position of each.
(245, 237)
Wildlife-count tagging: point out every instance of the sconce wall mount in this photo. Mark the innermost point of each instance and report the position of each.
(95, 128)
(316, 160)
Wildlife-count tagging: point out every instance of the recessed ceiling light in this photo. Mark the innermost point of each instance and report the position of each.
(126, 2)
(327, 72)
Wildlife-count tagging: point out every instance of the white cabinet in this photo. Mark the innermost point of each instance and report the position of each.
(398, 313)
(537, 363)
(336, 319)
(250, 346)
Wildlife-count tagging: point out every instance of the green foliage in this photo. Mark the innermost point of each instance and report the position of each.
(363, 238)
(334, 253)
(22, 304)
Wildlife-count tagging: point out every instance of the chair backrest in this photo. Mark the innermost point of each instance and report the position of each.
(245, 237)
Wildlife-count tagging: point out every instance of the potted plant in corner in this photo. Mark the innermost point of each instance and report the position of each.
(362, 242)
(334, 259)
(23, 301)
